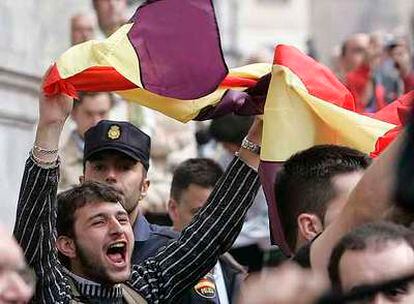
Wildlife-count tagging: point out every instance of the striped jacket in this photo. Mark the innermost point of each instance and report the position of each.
(159, 279)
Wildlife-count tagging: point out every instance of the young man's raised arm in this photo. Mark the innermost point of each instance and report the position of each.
(210, 234)
(35, 227)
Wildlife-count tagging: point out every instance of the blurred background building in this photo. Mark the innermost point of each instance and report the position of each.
(35, 32)
(331, 21)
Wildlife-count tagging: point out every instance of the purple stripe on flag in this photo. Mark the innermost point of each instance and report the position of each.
(249, 102)
(179, 49)
(231, 102)
(267, 173)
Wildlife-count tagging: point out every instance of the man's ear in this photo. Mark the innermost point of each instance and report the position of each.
(66, 246)
(144, 188)
(309, 226)
(81, 179)
(172, 209)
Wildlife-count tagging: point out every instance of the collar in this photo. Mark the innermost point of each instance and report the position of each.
(93, 290)
(142, 229)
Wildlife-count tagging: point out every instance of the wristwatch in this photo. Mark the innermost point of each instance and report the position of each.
(252, 147)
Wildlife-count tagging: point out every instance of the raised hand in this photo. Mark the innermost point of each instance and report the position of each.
(53, 112)
(54, 109)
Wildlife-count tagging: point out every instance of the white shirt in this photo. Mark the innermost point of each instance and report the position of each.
(220, 284)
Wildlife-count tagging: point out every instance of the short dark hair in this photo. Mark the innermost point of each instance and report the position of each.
(372, 234)
(79, 196)
(230, 128)
(304, 183)
(83, 95)
(203, 172)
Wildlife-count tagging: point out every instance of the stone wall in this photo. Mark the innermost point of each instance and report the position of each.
(33, 32)
(255, 26)
(270, 22)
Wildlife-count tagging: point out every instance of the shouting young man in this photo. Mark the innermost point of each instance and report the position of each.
(91, 230)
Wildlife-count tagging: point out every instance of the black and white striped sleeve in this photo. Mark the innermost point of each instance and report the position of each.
(35, 231)
(163, 278)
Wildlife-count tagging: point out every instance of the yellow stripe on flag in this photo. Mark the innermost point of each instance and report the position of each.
(294, 120)
(254, 71)
(115, 51)
(182, 110)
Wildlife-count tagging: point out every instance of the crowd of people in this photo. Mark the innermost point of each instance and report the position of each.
(136, 208)
(376, 67)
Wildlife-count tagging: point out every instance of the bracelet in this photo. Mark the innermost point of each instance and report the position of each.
(41, 150)
(43, 163)
(252, 147)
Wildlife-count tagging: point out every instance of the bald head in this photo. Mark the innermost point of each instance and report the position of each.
(354, 50)
(82, 28)
(111, 14)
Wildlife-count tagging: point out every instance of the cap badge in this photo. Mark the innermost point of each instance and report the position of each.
(114, 132)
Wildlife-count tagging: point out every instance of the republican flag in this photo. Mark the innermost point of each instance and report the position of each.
(168, 57)
(306, 106)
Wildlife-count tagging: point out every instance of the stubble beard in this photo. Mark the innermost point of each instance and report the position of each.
(95, 271)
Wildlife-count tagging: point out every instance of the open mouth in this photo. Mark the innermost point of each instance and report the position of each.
(116, 253)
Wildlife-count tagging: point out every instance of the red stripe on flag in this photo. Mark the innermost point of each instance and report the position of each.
(107, 79)
(101, 79)
(385, 140)
(396, 113)
(94, 79)
(318, 79)
(54, 85)
(238, 82)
